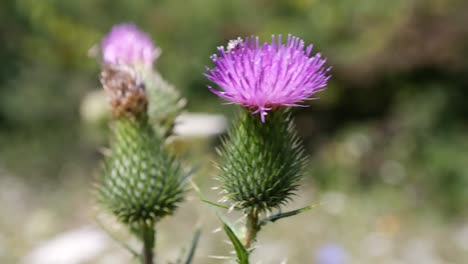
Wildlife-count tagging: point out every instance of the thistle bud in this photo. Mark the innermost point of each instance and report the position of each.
(141, 182)
(261, 163)
(165, 104)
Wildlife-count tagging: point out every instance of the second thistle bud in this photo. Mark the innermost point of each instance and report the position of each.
(142, 181)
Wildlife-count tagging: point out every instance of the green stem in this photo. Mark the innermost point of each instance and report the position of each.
(252, 228)
(148, 237)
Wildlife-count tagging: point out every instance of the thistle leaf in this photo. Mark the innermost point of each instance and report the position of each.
(214, 204)
(193, 247)
(278, 216)
(241, 252)
(203, 199)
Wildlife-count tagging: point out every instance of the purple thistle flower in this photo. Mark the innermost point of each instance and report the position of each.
(264, 77)
(126, 44)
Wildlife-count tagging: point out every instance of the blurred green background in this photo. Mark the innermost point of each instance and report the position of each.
(388, 141)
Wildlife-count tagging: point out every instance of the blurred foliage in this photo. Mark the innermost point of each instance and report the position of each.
(415, 147)
(395, 112)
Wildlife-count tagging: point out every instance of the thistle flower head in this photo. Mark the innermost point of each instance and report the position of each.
(126, 44)
(266, 76)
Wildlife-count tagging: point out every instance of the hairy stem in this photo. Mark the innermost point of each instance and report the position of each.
(148, 237)
(252, 228)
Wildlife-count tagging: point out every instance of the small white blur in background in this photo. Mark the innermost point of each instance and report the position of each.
(199, 125)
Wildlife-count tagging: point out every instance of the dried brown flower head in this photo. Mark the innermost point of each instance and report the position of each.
(125, 89)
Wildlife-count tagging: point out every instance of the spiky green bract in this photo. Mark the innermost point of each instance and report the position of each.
(261, 163)
(142, 182)
(165, 103)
